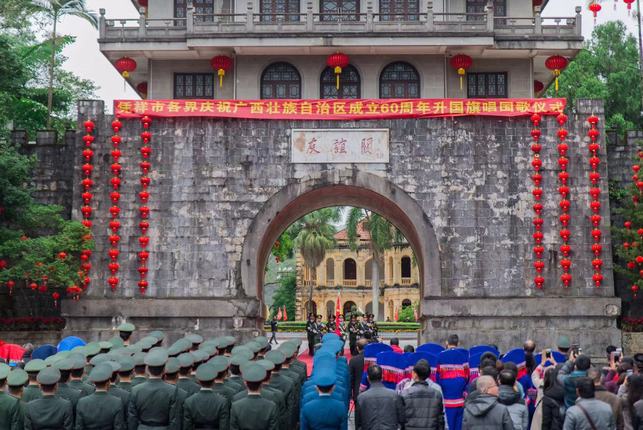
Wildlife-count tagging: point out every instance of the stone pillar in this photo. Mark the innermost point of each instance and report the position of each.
(142, 22)
(102, 24)
(538, 21)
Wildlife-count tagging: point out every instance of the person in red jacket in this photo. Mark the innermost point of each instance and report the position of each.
(395, 345)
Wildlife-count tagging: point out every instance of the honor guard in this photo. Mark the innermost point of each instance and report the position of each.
(185, 382)
(100, 410)
(32, 391)
(50, 411)
(125, 331)
(11, 417)
(206, 409)
(253, 412)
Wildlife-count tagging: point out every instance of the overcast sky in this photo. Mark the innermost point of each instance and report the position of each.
(86, 60)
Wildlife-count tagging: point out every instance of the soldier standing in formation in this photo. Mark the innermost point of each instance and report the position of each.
(10, 410)
(312, 333)
(49, 411)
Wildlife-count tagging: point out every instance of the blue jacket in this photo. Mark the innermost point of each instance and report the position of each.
(567, 378)
(324, 413)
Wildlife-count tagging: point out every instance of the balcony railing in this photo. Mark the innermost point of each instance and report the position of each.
(406, 281)
(250, 22)
(350, 282)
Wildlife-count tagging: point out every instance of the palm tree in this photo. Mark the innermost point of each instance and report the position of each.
(315, 236)
(383, 236)
(55, 10)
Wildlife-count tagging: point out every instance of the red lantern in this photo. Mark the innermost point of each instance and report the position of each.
(143, 255)
(146, 151)
(221, 64)
(535, 119)
(537, 178)
(113, 253)
(561, 119)
(636, 168)
(629, 5)
(86, 253)
(114, 210)
(33, 286)
(145, 166)
(538, 237)
(116, 154)
(114, 225)
(631, 265)
(87, 197)
(538, 208)
(125, 66)
(146, 121)
(595, 193)
(144, 196)
(593, 120)
(536, 163)
(593, 134)
(116, 168)
(595, 206)
(145, 181)
(597, 263)
(86, 266)
(89, 126)
(142, 88)
(144, 241)
(535, 133)
(536, 147)
(596, 220)
(635, 289)
(596, 234)
(11, 284)
(598, 279)
(538, 193)
(144, 211)
(114, 239)
(538, 223)
(563, 190)
(563, 177)
(595, 8)
(564, 205)
(116, 126)
(565, 263)
(594, 162)
(461, 63)
(556, 64)
(539, 266)
(116, 140)
(113, 282)
(142, 271)
(88, 139)
(87, 169)
(566, 278)
(563, 162)
(565, 234)
(113, 267)
(62, 255)
(564, 219)
(565, 249)
(86, 211)
(639, 259)
(562, 134)
(116, 183)
(538, 86)
(143, 225)
(594, 177)
(88, 154)
(56, 297)
(539, 250)
(142, 285)
(562, 149)
(115, 196)
(146, 136)
(593, 148)
(539, 281)
(87, 183)
(42, 288)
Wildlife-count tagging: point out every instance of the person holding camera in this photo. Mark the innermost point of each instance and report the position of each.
(575, 368)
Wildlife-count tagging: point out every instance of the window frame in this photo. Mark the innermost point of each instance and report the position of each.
(406, 82)
(486, 95)
(342, 96)
(478, 6)
(271, 15)
(209, 76)
(262, 82)
(339, 14)
(407, 14)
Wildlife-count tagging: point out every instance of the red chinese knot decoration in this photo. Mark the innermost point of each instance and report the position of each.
(556, 64)
(222, 64)
(537, 192)
(337, 62)
(461, 63)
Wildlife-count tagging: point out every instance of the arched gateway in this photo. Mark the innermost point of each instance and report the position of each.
(459, 189)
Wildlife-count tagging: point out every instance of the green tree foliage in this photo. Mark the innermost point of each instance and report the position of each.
(608, 68)
(32, 236)
(407, 314)
(630, 235)
(285, 295)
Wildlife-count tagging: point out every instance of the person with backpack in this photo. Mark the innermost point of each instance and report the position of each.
(552, 403)
(588, 413)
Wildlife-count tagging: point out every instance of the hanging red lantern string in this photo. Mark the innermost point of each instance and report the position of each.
(144, 195)
(595, 195)
(629, 5)
(461, 63)
(565, 201)
(114, 210)
(337, 62)
(634, 265)
(595, 8)
(86, 210)
(537, 192)
(221, 64)
(556, 64)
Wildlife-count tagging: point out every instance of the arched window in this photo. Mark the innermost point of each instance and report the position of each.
(330, 308)
(330, 271)
(350, 269)
(399, 81)
(399, 10)
(349, 84)
(348, 306)
(406, 303)
(368, 269)
(280, 81)
(279, 10)
(310, 308)
(339, 10)
(405, 262)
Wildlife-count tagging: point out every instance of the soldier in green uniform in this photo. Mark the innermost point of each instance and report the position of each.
(10, 410)
(289, 350)
(51, 411)
(159, 335)
(270, 393)
(76, 378)
(153, 403)
(140, 374)
(185, 381)
(296, 363)
(115, 390)
(125, 331)
(254, 412)
(206, 409)
(100, 410)
(283, 384)
(16, 382)
(32, 391)
(195, 340)
(171, 376)
(221, 363)
(125, 373)
(235, 381)
(64, 390)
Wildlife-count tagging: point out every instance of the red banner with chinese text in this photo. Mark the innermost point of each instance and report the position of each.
(338, 109)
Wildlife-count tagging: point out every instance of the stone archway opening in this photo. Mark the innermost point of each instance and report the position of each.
(357, 188)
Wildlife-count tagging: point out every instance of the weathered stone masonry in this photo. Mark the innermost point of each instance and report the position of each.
(217, 184)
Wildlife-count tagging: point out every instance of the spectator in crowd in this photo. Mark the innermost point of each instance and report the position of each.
(530, 361)
(452, 341)
(26, 356)
(356, 367)
(380, 408)
(273, 330)
(509, 396)
(423, 404)
(601, 393)
(573, 369)
(588, 413)
(552, 405)
(395, 345)
(409, 348)
(632, 398)
(482, 410)
(563, 345)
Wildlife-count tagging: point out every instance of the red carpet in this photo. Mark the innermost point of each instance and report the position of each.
(306, 358)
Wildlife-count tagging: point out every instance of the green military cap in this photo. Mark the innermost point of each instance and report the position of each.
(214, 342)
(240, 348)
(66, 364)
(261, 340)
(79, 363)
(296, 342)
(209, 349)
(17, 378)
(35, 365)
(239, 359)
(194, 338)
(175, 349)
(226, 341)
(117, 342)
(288, 350)
(79, 350)
(206, 372)
(131, 349)
(48, 376)
(4, 371)
(217, 366)
(92, 348)
(200, 356)
(127, 364)
(105, 345)
(276, 357)
(220, 360)
(76, 356)
(266, 364)
(156, 357)
(139, 359)
(101, 373)
(253, 346)
(98, 359)
(186, 360)
(172, 365)
(563, 342)
(115, 365)
(159, 335)
(53, 359)
(126, 327)
(147, 342)
(253, 372)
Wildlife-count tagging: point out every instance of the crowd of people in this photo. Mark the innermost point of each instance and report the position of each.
(220, 383)
(356, 329)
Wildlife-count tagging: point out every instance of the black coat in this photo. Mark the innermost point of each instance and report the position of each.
(553, 408)
(356, 366)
